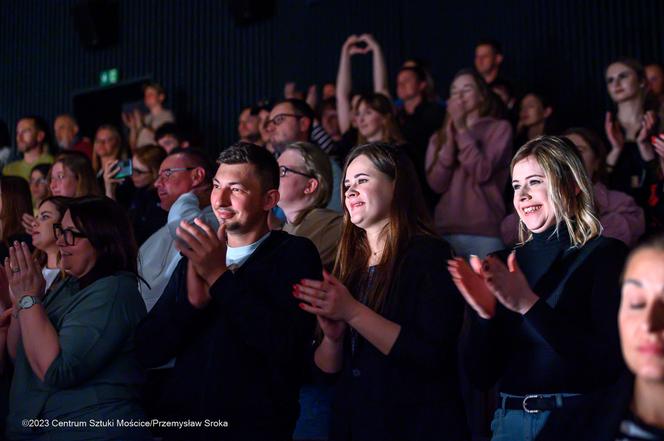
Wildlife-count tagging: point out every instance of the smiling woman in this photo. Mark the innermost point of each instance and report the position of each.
(545, 319)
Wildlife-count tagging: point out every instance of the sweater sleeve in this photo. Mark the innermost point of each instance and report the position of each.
(95, 331)
(621, 218)
(160, 335)
(481, 158)
(271, 322)
(439, 165)
(428, 339)
(592, 343)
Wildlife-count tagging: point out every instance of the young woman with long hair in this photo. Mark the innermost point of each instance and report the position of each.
(49, 212)
(389, 316)
(543, 314)
(467, 164)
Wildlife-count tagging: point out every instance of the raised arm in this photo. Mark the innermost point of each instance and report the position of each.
(379, 67)
(344, 83)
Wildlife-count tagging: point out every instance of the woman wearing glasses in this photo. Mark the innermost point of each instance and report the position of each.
(305, 188)
(143, 207)
(73, 347)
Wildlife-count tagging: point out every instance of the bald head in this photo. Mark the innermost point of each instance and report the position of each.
(65, 129)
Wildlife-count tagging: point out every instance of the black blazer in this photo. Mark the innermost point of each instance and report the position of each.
(413, 392)
(597, 418)
(240, 358)
(568, 341)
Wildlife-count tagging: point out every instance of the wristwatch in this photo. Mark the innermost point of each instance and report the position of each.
(26, 302)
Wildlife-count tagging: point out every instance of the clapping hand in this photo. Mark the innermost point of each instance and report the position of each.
(508, 284)
(23, 273)
(205, 248)
(328, 298)
(469, 280)
(613, 132)
(643, 135)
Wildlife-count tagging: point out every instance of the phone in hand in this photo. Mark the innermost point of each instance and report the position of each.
(126, 169)
(659, 136)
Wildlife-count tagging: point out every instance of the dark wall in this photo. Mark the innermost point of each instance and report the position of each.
(211, 67)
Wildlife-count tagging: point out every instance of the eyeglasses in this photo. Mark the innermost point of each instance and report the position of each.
(166, 173)
(68, 234)
(38, 181)
(277, 120)
(283, 171)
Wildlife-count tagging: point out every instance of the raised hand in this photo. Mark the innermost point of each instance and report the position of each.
(457, 112)
(205, 248)
(643, 136)
(470, 282)
(370, 41)
(613, 132)
(328, 298)
(509, 284)
(23, 273)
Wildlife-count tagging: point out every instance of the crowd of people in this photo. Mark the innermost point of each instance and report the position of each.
(357, 266)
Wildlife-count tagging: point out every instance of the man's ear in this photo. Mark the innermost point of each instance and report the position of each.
(271, 199)
(499, 59)
(198, 176)
(312, 186)
(548, 111)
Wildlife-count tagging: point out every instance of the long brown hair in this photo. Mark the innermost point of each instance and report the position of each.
(16, 201)
(488, 107)
(120, 153)
(79, 164)
(382, 104)
(60, 204)
(408, 217)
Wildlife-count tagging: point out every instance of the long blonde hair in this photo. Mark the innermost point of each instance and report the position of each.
(568, 185)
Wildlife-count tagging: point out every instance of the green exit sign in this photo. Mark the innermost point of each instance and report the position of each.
(110, 76)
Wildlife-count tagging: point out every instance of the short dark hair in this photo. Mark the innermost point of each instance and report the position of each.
(417, 70)
(266, 166)
(495, 44)
(154, 85)
(107, 227)
(300, 107)
(172, 129)
(197, 158)
(264, 104)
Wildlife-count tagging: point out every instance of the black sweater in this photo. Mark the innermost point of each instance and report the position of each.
(413, 392)
(568, 341)
(240, 358)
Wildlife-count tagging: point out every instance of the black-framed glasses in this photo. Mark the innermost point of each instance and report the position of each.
(277, 120)
(283, 171)
(168, 172)
(68, 234)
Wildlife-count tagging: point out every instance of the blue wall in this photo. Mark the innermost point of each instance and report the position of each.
(211, 67)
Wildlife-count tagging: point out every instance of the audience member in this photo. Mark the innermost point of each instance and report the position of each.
(15, 203)
(67, 136)
(305, 188)
(655, 206)
(39, 186)
(47, 253)
(6, 151)
(183, 185)
(72, 176)
(426, 67)
(543, 322)
(30, 141)
(655, 77)
(329, 119)
(73, 347)
(169, 136)
(631, 158)
(467, 163)
(227, 315)
(488, 59)
(632, 409)
(142, 127)
(390, 316)
(617, 212)
(536, 118)
(145, 211)
(247, 127)
(418, 118)
(291, 121)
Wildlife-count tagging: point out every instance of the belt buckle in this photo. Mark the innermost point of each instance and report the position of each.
(525, 406)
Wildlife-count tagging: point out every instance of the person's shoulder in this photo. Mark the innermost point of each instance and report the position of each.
(602, 245)
(325, 215)
(289, 242)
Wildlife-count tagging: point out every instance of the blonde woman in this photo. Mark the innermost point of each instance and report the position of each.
(544, 323)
